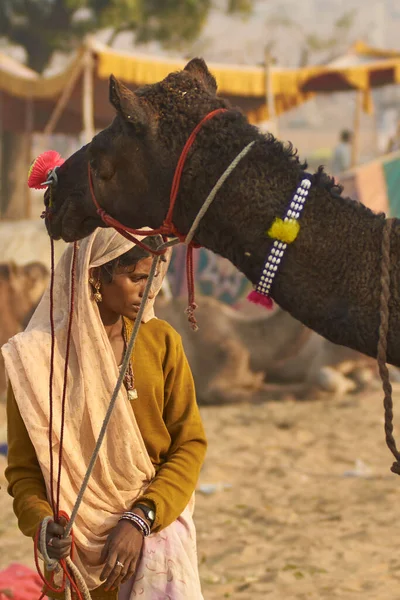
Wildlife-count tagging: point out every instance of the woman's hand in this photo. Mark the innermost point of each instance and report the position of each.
(57, 546)
(121, 554)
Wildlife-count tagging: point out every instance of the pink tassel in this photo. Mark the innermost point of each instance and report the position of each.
(258, 298)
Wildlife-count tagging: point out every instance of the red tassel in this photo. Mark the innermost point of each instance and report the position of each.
(41, 167)
(260, 299)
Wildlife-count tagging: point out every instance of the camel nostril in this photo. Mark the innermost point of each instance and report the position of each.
(46, 198)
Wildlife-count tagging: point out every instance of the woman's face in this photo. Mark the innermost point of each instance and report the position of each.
(123, 295)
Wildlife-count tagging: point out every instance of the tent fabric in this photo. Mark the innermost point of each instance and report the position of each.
(376, 184)
(391, 171)
(22, 82)
(214, 276)
(244, 86)
(142, 69)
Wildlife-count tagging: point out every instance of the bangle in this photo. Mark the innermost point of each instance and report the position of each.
(135, 519)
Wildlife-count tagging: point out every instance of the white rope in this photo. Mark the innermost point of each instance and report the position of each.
(78, 580)
(215, 190)
(125, 363)
(52, 564)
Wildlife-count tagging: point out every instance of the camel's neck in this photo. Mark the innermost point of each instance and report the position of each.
(330, 278)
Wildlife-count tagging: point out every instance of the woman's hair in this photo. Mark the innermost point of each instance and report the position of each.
(130, 258)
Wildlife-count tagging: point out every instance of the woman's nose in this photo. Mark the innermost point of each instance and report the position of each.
(141, 291)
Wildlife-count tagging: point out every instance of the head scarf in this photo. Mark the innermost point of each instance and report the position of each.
(92, 374)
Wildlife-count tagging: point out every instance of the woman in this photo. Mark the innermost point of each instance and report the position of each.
(154, 447)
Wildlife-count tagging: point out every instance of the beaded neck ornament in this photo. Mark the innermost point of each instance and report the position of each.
(283, 232)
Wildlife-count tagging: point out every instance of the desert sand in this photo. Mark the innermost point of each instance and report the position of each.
(302, 505)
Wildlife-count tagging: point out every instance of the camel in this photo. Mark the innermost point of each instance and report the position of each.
(21, 288)
(329, 278)
(231, 361)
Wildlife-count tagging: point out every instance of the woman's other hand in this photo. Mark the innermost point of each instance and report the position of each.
(121, 554)
(57, 546)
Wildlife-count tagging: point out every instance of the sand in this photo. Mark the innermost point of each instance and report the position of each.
(285, 519)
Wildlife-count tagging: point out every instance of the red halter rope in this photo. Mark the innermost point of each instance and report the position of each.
(39, 170)
(167, 228)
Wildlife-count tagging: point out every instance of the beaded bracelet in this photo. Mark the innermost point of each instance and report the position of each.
(137, 520)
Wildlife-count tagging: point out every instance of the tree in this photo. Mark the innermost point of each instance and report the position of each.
(42, 27)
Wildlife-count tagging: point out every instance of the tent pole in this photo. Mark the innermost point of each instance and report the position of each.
(88, 97)
(269, 92)
(356, 127)
(63, 99)
(29, 108)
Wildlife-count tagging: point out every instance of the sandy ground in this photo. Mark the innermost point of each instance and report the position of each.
(292, 524)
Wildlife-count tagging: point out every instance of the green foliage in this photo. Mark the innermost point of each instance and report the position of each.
(242, 6)
(44, 26)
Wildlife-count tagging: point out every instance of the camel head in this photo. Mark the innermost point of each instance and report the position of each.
(133, 160)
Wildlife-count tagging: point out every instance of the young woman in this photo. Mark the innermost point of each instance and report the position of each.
(146, 473)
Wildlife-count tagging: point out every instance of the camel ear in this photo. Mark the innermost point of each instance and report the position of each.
(127, 104)
(199, 70)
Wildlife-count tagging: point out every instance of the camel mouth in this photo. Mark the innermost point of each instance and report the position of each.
(67, 223)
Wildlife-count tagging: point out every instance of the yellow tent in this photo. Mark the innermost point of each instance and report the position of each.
(58, 106)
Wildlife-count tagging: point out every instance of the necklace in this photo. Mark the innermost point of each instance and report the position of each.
(129, 378)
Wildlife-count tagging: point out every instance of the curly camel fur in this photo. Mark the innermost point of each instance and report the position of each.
(329, 279)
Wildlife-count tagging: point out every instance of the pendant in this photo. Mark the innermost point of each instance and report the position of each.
(132, 394)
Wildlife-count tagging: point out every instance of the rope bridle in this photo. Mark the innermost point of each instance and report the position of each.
(168, 227)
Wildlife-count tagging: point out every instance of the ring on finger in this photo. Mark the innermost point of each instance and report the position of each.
(50, 542)
(119, 564)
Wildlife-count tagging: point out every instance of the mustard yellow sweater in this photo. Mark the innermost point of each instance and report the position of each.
(168, 417)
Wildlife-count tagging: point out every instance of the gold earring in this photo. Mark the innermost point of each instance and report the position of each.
(96, 292)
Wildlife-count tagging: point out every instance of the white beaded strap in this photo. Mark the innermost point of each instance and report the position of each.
(278, 248)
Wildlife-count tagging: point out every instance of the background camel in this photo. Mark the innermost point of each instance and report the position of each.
(20, 290)
(239, 358)
(330, 276)
(229, 357)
